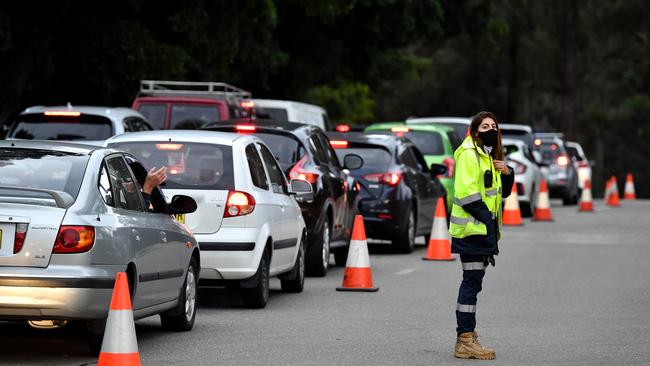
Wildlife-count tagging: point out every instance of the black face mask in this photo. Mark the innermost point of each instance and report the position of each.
(489, 137)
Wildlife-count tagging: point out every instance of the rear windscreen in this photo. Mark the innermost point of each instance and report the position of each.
(374, 158)
(41, 169)
(520, 135)
(193, 116)
(550, 152)
(429, 143)
(155, 114)
(38, 126)
(189, 165)
(286, 149)
(278, 114)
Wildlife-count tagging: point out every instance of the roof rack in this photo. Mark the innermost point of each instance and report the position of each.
(192, 88)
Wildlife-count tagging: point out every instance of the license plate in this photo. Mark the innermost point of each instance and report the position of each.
(180, 218)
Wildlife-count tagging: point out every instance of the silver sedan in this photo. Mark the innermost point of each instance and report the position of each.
(71, 217)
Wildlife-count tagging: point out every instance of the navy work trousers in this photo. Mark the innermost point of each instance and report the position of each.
(473, 272)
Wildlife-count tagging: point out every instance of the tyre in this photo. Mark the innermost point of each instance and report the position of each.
(181, 318)
(567, 197)
(526, 209)
(319, 257)
(257, 297)
(297, 282)
(95, 336)
(405, 240)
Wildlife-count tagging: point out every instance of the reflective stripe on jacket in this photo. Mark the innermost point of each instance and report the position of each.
(471, 164)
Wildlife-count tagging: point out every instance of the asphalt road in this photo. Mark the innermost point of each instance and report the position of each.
(571, 292)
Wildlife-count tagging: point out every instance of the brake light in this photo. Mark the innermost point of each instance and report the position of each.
(520, 168)
(385, 216)
(298, 172)
(62, 113)
(449, 163)
(245, 128)
(583, 164)
(239, 204)
(19, 238)
(339, 144)
(391, 179)
(562, 160)
(169, 147)
(343, 128)
(247, 104)
(400, 129)
(537, 142)
(74, 239)
(554, 147)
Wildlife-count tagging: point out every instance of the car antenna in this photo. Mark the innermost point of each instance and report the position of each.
(98, 218)
(69, 105)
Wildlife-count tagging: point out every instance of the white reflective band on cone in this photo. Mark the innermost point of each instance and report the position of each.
(473, 266)
(439, 229)
(466, 308)
(358, 256)
(119, 336)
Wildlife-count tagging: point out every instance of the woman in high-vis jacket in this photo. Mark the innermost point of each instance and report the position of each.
(481, 181)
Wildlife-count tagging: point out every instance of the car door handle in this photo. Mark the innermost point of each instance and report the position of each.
(136, 235)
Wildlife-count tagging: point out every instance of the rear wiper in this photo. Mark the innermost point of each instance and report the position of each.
(62, 199)
(68, 137)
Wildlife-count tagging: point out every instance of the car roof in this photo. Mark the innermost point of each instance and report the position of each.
(276, 103)
(387, 140)
(463, 120)
(68, 147)
(113, 113)
(512, 126)
(200, 136)
(507, 141)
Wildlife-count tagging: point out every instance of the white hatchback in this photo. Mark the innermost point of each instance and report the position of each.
(528, 175)
(248, 224)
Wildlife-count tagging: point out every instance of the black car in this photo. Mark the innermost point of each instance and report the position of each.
(303, 151)
(398, 190)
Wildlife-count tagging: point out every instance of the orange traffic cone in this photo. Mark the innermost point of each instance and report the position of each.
(358, 275)
(511, 212)
(614, 199)
(629, 193)
(543, 210)
(120, 345)
(439, 242)
(586, 202)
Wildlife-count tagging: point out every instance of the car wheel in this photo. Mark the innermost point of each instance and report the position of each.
(567, 197)
(405, 240)
(319, 258)
(297, 283)
(181, 318)
(257, 297)
(95, 336)
(526, 209)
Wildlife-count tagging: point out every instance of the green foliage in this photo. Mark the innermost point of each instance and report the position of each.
(347, 101)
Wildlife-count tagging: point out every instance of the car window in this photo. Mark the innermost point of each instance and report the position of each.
(406, 157)
(319, 151)
(190, 165)
(574, 153)
(128, 125)
(41, 169)
(286, 149)
(126, 192)
(278, 114)
(189, 116)
(154, 113)
(278, 183)
(256, 168)
(329, 151)
(454, 139)
(38, 126)
(419, 158)
(105, 187)
(374, 158)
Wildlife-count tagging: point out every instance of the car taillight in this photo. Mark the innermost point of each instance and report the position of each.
(19, 238)
(449, 163)
(583, 164)
(343, 128)
(520, 168)
(339, 144)
(391, 179)
(298, 172)
(562, 160)
(74, 239)
(239, 204)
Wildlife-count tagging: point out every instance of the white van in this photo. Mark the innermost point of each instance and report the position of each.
(287, 110)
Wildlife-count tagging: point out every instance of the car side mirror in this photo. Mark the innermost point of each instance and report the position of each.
(302, 189)
(352, 161)
(181, 204)
(437, 170)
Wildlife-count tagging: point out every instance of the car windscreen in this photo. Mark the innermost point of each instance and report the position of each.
(429, 143)
(193, 116)
(38, 126)
(189, 165)
(375, 159)
(286, 149)
(278, 114)
(550, 151)
(520, 135)
(155, 114)
(40, 169)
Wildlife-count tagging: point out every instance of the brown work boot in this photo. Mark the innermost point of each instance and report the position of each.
(467, 346)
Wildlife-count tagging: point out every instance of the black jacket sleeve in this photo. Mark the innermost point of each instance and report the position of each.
(506, 183)
(479, 211)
